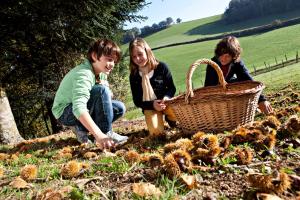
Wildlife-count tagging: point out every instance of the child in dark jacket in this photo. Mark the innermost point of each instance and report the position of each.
(151, 84)
(227, 56)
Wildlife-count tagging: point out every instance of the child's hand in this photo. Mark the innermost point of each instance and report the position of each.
(265, 107)
(159, 105)
(105, 143)
(165, 98)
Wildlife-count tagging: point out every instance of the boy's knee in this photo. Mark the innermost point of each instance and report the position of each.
(122, 108)
(100, 89)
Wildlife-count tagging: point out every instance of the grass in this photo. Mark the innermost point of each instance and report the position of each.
(112, 175)
(257, 49)
(277, 79)
(209, 26)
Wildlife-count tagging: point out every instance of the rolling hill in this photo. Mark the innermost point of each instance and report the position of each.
(258, 49)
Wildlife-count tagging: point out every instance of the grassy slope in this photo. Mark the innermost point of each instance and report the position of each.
(277, 79)
(257, 49)
(207, 27)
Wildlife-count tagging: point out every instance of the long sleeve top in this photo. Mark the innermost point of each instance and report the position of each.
(237, 72)
(75, 89)
(161, 82)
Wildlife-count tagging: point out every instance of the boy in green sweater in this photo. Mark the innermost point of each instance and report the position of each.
(87, 106)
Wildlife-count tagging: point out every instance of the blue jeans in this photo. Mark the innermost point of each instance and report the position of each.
(103, 110)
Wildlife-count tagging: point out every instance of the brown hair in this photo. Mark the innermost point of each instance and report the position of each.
(152, 61)
(229, 45)
(104, 47)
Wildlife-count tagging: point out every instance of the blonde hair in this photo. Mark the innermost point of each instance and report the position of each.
(229, 45)
(152, 61)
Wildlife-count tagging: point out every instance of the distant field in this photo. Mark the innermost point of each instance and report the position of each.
(257, 49)
(209, 26)
(277, 79)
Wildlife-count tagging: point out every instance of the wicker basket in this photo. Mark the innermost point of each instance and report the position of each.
(215, 108)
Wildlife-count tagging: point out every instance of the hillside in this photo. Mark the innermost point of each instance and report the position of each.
(209, 26)
(257, 49)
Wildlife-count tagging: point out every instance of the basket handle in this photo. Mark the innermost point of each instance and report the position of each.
(189, 90)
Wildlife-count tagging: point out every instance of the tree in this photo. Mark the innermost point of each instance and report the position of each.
(41, 40)
(155, 27)
(162, 24)
(130, 34)
(178, 20)
(169, 21)
(9, 133)
(241, 10)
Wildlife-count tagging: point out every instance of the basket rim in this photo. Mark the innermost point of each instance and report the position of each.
(225, 92)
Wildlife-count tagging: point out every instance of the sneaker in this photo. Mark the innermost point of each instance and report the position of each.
(82, 136)
(117, 138)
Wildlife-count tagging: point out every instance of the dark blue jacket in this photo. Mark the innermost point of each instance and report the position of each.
(237, 72)
(161, 82)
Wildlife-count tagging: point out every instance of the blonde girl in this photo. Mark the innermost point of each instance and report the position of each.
(151, 84)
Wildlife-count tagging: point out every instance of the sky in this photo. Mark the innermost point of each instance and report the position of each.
(186, 10)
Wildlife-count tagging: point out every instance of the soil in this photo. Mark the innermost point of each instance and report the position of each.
(220, 177)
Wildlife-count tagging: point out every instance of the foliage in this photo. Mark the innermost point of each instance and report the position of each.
(178, 20)
(42, 40)
(147, 30)
(240, 10)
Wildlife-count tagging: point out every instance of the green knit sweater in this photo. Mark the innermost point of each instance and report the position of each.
(75, 89)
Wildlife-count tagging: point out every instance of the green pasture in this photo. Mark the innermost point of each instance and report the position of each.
(209, 26)
(278, 79)
(257, 49)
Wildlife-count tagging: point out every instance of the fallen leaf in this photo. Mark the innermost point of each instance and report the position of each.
(19, 183)
(189, 180)
(146, 190)
(82, 182)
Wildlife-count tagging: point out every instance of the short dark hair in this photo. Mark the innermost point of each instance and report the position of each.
(229, 45)
(104, 47)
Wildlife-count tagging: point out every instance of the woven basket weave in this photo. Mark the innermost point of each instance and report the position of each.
(215, 108)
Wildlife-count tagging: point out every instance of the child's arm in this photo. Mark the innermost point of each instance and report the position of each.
(101, 139)
(211, 76)
(169, 83)
(242, 73)
(263, 104)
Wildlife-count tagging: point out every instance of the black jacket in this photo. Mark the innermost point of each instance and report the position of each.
(237, 73)
(161, 82)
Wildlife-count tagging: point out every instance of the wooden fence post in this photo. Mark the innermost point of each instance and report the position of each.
(265, 64)
(254, 69)
(276, 61)
(285, 57)
(297, 57)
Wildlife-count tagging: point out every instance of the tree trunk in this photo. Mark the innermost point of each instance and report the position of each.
(9, 133)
